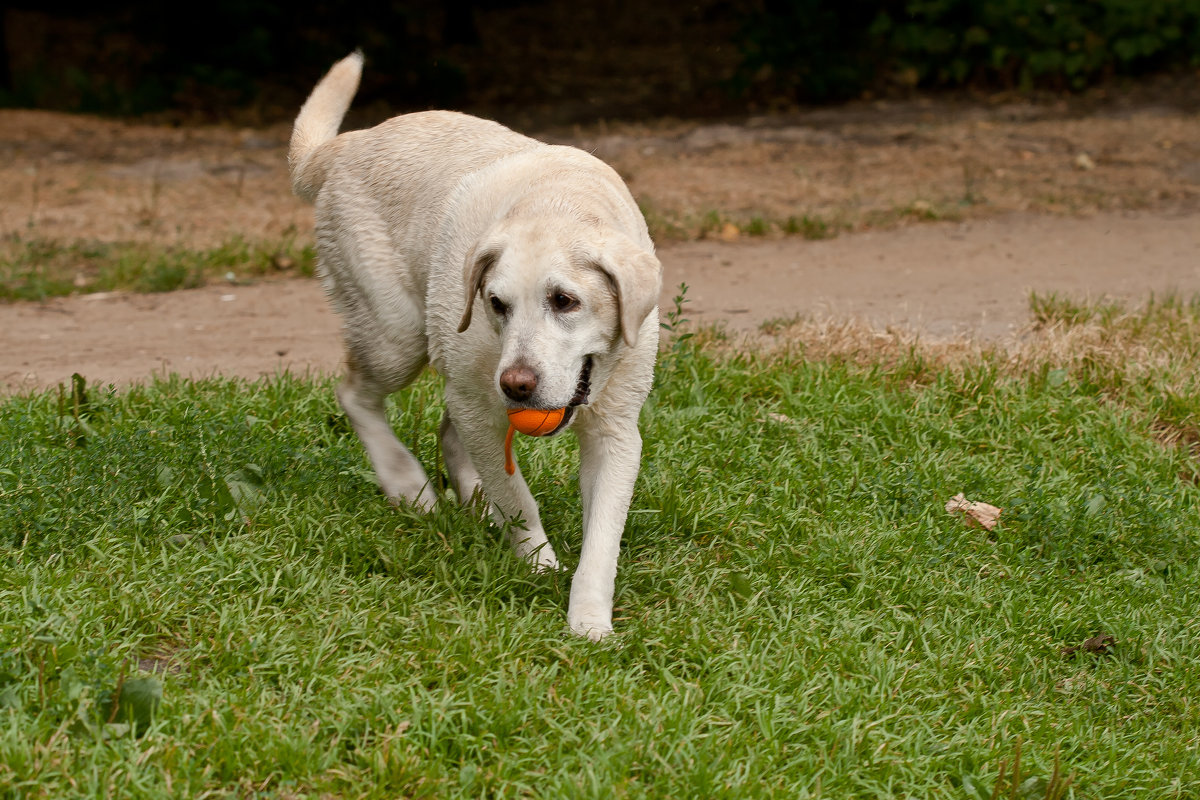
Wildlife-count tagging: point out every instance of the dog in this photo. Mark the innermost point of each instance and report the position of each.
(522, 271)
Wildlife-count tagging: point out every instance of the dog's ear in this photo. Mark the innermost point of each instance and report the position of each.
(636, 276)
(479, 260)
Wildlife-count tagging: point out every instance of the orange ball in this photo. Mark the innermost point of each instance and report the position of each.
(536, 421)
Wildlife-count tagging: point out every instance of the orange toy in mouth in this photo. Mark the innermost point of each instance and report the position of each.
(531, 422)
(535, 421)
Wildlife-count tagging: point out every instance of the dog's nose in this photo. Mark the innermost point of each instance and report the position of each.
(519, 383)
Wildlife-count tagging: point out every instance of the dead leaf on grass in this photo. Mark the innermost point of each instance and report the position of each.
(1100, 645)
(982, 514)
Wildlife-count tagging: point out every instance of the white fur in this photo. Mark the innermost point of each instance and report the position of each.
(421, 222)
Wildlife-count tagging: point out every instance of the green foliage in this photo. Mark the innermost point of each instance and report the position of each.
(1026, 43)
(757, 226)
(239, 54)
(809, 227)
(810, 49)
(203, 593)
(819, 51)
(257, 60)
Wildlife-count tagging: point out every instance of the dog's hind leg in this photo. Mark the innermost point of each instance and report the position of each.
(361, 394)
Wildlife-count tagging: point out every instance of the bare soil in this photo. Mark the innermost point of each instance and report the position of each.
(946, 215)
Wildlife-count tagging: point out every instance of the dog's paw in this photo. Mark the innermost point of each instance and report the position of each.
(423, 500)
(540, 556)
(427, 499)
(544, 560)
(595, 624)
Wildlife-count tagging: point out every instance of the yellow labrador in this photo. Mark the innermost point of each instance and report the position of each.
(525, 274)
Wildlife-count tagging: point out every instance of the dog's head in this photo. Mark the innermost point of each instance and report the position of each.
(559, 300)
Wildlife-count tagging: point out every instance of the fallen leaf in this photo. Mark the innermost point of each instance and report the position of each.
(137, 701)
(740, 585)
(1100, 645)
(982, 514)
(246, 487)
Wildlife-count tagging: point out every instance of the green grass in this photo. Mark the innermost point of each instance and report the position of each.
(667, 226)
(797, 616)
(809, 227)
(37, 268)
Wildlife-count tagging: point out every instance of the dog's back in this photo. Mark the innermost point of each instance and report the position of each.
(429, 151)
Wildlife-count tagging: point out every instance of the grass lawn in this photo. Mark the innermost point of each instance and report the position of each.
(202, 593)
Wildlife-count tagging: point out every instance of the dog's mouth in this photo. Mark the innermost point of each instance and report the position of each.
(584, 385)
(583, 388)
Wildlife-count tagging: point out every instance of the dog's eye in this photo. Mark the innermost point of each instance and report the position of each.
(560, 301)
(498, 306)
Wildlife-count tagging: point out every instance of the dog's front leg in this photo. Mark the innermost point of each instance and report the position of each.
(508, 496)
(609, 455)
(511, 500)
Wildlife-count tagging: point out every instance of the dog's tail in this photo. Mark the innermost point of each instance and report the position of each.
(318, 122)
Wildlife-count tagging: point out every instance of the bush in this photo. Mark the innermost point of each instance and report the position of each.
(1031, 42)
(811, 51)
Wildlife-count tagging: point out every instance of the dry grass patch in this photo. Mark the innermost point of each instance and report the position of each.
(1108, 344)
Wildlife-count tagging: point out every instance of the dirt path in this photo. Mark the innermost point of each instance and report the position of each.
(947, 279)
(942, 280)
(1101, 199)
